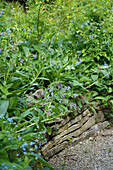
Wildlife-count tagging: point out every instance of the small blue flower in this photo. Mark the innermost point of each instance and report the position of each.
(14, 166)
(36, 140)
(36, 147)
(81, 26)
(44, 43)
(4, 121)
(30, 149)
(74, 95)
(0, 50)
(35, 56)
(78, 52)
(32, 152)
(85, 23)
(3, 164)
(53, 62)
(5, 167)
(24, 149)
(31, 143)
(104, 30)
(1, 116)
(36, 158)
(50, 50)
(17, 154)
(61, 30)
(70, 42)
(10, 120)
(90, 36)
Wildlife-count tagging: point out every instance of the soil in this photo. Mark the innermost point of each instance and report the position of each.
(94, 153)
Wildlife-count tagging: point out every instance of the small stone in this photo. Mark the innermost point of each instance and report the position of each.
(91, 139)
(80, 143)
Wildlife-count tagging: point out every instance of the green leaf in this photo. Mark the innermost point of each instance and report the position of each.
(94, 77)
(79, 103)
(13, 102)
(92, 108)
(3, 106)
(76, 83)
(1, 136)
(18, 74)
(2, 23)
(111, 101)
(15, 82)
(26, 51)
(26, 113)
(3, 89)
(43, 78)
(67, 167)
(3, 156)
(49, 130)
(40, 159)
(102, 98)
(86, 101)
(27, 168)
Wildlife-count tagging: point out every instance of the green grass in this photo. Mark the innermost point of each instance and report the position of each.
(64, 48)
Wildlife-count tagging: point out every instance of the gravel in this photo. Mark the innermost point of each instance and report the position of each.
(95, 153)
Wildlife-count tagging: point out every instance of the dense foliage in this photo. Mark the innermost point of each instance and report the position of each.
(64, 48)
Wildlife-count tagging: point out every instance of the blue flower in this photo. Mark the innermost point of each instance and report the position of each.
(53, 62)
(85, 23)
(4, 121)
(32, 152)
(10, 120)
(1, 116)
(50, 50)
(36, 147)
(22, 60)
(24, 149)
(81, 26)
(36, 158)
(14, 166)
(78, 52)
(44, 43)
(30, 149)
(74, 95)
(35, 56)
(70, 42)
(31, 143)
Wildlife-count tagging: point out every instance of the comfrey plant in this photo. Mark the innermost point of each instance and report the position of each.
(19, 145)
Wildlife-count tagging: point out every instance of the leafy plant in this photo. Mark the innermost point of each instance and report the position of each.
(63, 48)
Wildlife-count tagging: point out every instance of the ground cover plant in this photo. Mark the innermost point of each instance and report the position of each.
(63, 48)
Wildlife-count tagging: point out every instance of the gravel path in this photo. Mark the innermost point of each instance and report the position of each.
(95, 153)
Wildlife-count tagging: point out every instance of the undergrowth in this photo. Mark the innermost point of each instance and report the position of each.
(63, 48)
